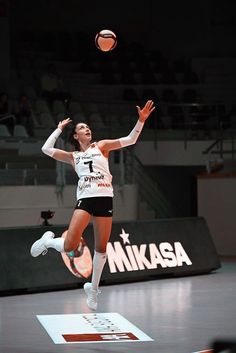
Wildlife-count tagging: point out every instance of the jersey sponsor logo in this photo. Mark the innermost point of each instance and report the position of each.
(104, 185)
(89, 156)
(85, 157)
(84, 186)
(122, 257)
(94, 177)
(77, 159)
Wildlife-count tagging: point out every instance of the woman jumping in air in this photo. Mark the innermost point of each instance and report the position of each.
(94, 193)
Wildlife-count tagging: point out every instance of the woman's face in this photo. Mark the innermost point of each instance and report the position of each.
(82, 133)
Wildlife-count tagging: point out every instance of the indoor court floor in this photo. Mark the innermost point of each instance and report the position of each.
(181, 314)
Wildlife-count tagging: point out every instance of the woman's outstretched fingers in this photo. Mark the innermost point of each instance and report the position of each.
(150, 106)
(64, 123)
(146, 111)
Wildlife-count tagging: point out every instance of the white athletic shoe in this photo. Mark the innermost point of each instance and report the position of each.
(92, 295)
(39, 247)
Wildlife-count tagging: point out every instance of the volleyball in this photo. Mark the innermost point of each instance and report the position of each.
(105, 40)
(79, 262)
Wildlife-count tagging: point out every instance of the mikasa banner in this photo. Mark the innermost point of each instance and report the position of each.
(164, 247)
(136, 250)
(131, 252)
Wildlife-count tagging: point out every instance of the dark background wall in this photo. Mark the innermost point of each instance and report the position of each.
(177, 28)
(179, 183)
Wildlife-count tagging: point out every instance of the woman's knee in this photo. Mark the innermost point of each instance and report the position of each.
(71, 242)
(70, 246)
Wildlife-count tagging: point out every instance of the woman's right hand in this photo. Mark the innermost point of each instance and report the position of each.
(62, 124)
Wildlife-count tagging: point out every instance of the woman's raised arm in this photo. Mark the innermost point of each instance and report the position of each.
(49, 149)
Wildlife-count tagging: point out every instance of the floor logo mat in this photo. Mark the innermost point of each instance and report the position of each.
(91, 328)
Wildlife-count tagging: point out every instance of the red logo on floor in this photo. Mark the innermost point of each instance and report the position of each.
(95, 337)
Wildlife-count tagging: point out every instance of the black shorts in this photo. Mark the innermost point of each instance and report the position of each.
(101, 206)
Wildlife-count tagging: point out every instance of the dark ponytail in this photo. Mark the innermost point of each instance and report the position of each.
(74, 143)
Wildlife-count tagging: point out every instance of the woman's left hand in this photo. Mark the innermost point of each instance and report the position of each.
(145, 111)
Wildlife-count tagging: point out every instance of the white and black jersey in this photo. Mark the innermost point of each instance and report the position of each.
(93, 171)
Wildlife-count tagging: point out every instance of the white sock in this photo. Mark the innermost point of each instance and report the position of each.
(99, 260)
(56, 243)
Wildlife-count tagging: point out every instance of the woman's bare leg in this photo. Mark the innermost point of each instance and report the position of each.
(102, 232)
(78, 223)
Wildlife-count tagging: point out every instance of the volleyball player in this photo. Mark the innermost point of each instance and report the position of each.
(94, 193)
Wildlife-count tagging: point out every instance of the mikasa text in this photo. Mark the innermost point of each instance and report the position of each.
(150, 256)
